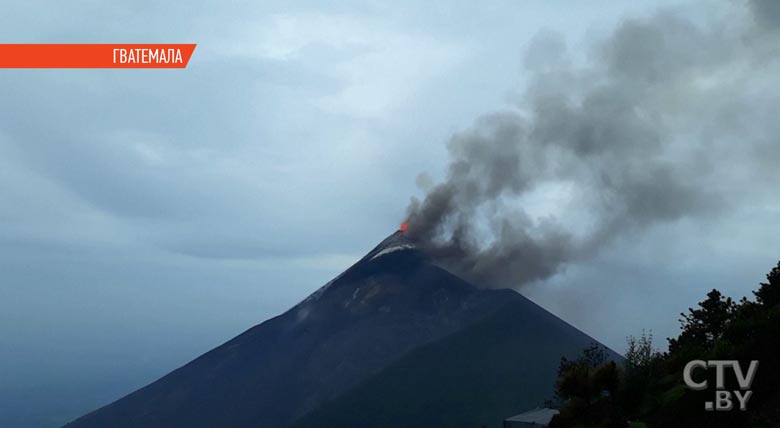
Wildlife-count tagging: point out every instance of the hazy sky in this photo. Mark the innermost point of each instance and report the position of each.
(147, 216)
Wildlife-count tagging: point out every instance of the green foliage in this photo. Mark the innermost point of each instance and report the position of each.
(640, 353)
(769, 293)
(650, 391)
(588, 385)
(643, 365)
(703, 327)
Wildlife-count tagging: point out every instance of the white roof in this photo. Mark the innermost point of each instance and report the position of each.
(536, 416)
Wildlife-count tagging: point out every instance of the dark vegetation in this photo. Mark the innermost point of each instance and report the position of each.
(649, 390)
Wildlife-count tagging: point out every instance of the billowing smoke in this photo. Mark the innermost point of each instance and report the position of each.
(665, 119)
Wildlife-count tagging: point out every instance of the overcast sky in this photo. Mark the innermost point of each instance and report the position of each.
(147, 216)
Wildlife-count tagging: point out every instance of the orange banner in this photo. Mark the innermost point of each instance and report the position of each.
(95, 55)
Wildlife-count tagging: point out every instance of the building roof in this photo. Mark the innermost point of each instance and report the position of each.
(536, 416)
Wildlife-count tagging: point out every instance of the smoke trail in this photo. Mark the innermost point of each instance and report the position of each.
(639, 134)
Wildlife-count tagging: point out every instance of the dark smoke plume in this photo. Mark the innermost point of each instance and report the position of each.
(640, 133)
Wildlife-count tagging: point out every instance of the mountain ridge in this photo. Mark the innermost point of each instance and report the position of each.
(390, 302)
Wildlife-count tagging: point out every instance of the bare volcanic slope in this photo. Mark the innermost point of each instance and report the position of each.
(392, 301)
(497, 367)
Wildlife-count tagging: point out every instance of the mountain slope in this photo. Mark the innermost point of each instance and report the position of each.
(495, 368)
(390, 302)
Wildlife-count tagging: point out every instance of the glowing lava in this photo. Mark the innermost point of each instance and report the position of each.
(403, 227)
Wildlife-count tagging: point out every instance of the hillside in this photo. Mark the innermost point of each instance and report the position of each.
(498, 367)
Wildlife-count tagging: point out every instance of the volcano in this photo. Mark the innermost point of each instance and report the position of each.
(395, 340)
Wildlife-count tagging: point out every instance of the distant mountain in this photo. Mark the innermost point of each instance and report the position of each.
(393, 310)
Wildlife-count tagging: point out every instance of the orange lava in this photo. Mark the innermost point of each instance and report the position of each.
(403, 227)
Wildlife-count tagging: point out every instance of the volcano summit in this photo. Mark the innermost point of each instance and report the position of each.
(395, 340)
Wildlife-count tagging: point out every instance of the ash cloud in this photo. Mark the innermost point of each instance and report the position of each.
(646, 130)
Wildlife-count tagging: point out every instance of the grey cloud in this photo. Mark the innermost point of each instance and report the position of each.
(767, 13)
(628, 130)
